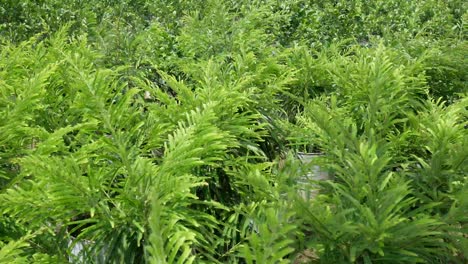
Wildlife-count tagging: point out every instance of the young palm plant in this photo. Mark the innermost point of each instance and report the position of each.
(371, 210)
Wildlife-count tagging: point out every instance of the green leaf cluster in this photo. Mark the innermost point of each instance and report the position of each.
(168, 131)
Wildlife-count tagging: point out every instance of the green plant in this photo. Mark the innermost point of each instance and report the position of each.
(167, 131)
(370, 129)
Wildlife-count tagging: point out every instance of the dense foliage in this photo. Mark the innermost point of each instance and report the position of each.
(167, 131)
